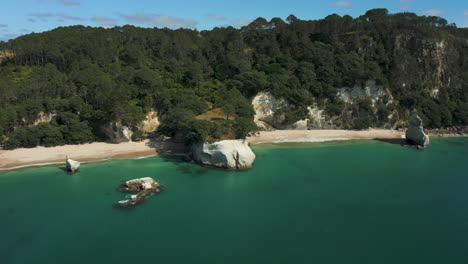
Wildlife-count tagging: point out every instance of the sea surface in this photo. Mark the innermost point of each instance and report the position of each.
(358, 201)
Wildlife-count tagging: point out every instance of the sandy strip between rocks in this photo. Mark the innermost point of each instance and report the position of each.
(323, 135)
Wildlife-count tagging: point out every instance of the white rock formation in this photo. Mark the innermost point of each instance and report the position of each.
(72, 165)
(144, 183)
(265, 106)
(151, 122)
(117, 132)
(228, 154)
(372, 90)
(415, 133)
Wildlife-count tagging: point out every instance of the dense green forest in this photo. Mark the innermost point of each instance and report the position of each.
(89, 77)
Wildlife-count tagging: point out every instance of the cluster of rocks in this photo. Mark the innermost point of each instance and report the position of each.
(143, 187)
(449, 131)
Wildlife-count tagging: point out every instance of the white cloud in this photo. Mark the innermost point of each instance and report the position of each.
(240, 23)
(3, 25)
(159, 20)
(104, 21)
(62, 2)
(433, 12)
(465, 13)
(216, 16)
(69, 17)
(405, 5)
(44, 16)
(41, 15)
(68, 2)
(343, 3)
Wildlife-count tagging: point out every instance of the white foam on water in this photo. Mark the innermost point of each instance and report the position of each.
(145, 157)
(310, 140)
(32, 165)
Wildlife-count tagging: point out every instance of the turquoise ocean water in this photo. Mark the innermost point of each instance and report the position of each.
(347, 202)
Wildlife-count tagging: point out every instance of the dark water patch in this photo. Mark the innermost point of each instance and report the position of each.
(185, 169)
(202, 171)
(396, 141)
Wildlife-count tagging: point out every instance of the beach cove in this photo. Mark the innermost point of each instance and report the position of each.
(100, 151)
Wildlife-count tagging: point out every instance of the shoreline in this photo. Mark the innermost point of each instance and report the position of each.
(84, 153)
(100, 151)
(280, 136)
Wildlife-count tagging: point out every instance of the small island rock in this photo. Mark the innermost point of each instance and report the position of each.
(144, 187)
(228, 154)
(415, 134)
(72, 165)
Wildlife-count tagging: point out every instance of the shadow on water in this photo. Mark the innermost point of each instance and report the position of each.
(396, 141)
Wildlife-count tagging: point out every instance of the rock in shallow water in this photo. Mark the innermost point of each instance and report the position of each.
(72, 165)
(228, 154)
(142, 186)
(415, 134)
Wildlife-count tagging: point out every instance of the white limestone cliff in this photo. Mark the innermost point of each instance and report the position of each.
(228, 154)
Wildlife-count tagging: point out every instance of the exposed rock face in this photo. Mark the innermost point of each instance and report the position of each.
(267, 116)
(116, 132)
(72, 165)
(228, 154)
(372, 90)
(415, 134)
(150, 124)
(265, 106)
(44, 118)
(435, 55)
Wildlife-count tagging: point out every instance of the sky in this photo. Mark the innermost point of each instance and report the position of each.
(19, 17)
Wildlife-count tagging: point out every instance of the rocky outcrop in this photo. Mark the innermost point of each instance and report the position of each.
(44, 118)
(116, 132)
(227, 154)
(72, 165)
(151, 122)
(371, 90)
(142, 186)
(415, 134)
(265, 106)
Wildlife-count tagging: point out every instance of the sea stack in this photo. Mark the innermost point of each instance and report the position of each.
(415, 134)
(226, 154)
(72, 165)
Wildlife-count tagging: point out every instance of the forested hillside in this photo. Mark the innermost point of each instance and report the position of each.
(90, 77)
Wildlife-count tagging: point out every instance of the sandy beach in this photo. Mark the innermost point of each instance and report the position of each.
(99, 151)
(322, 135)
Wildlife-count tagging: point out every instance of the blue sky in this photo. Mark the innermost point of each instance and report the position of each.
(18, 17)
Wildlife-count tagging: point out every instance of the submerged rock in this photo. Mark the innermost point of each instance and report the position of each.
(72, 165)
(143, 187)
(228, 154)
(415, 134)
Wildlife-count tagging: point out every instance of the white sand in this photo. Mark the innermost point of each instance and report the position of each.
(97, 151)
(321, 135)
